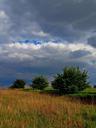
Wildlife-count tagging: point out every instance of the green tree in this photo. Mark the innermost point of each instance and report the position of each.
(39, 82)
(18, 84)
(71, 80)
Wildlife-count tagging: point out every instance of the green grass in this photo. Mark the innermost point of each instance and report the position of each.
(87, 92)
(87, 96)
(49, 90)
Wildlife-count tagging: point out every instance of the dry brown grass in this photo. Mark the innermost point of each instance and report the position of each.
(19, 109)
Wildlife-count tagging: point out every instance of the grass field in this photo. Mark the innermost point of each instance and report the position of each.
(26, 109)
(87, 92)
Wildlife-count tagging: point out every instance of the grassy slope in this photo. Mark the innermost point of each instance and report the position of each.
(20, 109)
(87, 92)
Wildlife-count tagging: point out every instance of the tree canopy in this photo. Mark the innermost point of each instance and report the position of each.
(18, 84)
(71, 80)
(39, 82)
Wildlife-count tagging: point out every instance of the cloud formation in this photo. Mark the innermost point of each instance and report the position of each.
(70, 20)
(29, 51)
(27, 60)
(56, 34)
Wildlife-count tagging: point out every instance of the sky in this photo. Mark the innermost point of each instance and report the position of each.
(41, 37)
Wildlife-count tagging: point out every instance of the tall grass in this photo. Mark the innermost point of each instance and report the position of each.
(19, 109)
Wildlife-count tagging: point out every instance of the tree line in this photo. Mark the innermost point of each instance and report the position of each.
(70, 80)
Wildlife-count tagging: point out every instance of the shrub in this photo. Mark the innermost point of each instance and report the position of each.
(39, 82)
(71, 80)
(18, 84)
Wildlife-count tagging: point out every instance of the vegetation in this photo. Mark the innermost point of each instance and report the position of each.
(72, 80)
(20, 109)
(18, 84)
(43, 106)
(39, 82)
(87, 94)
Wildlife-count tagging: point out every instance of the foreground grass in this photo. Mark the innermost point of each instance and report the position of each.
(22, 109)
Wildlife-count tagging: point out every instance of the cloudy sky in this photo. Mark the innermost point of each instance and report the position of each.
(44, 36)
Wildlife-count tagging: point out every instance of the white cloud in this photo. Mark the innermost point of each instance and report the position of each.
(2, 14)
(42, 54)
(39, 33)
(5, 25)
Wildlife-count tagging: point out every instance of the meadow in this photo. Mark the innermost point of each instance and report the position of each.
(30, 109)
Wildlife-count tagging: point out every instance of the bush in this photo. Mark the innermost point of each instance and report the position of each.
(71, 80)
(18, 84)
(39, 82)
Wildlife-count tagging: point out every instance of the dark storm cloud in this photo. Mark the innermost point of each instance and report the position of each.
(20, 21)
(66, 19)
(69, 19)
(79, 53)
(92, 41)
